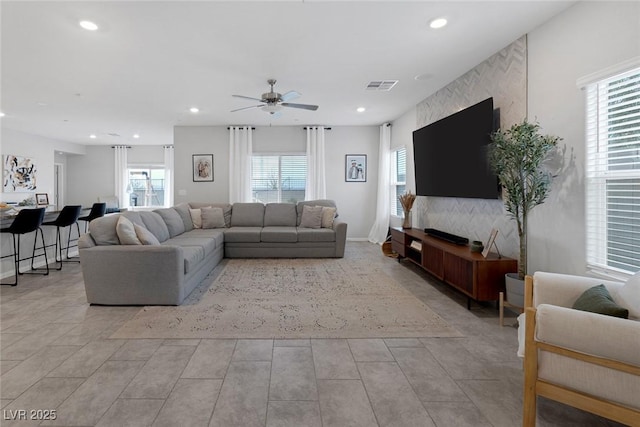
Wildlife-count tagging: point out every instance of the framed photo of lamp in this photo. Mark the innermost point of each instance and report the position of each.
(355, 168)
(203, 168)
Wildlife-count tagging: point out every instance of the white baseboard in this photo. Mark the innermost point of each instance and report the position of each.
(357, 239)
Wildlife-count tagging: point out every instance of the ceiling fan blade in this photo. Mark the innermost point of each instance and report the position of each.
(302, 106)
(246, 108)
(248, 97)
(289, 96)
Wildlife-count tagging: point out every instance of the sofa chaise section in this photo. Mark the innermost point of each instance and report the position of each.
(163, 274)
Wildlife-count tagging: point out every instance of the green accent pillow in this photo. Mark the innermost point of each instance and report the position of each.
(598, 300)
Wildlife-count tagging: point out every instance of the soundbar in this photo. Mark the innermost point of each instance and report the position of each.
(443, 235)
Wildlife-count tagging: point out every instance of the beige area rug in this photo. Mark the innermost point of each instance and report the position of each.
(292, 298)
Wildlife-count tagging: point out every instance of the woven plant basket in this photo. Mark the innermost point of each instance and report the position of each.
(386, 249)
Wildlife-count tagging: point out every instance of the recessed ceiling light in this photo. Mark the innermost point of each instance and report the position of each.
(88, 25)
(1, 114)
(361, 109)
(438, 23)
(136, 136)
(425, 76)
(92, 136)
(194, 109)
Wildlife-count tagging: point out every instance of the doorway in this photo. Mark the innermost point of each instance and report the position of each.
(58, 186)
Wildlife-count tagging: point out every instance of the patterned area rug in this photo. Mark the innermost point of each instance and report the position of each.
(292, 298)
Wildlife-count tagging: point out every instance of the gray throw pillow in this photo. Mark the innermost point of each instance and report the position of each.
(103, 230)
(311, 217)
(212, 218)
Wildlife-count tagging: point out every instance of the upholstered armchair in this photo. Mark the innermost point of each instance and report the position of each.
(583, 359)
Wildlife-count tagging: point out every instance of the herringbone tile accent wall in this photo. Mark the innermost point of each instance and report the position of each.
(503, 77)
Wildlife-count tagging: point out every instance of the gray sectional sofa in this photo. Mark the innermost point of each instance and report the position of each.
(165, 272)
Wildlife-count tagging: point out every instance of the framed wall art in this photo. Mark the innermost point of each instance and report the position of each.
(42, 199)
(19, 174)
(356, 168)
(202, 167)
(491, 242)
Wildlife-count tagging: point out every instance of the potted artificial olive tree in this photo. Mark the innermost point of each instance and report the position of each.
(517, 156)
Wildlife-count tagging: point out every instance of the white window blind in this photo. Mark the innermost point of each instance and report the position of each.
(398, 180)
(613, 174)
(278, 178)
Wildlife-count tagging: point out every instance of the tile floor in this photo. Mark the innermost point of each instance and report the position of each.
(56, 355)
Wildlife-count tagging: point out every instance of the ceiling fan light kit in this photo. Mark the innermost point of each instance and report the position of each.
(272, 102)
(272, 108)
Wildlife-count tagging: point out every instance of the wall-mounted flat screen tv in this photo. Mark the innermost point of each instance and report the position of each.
(450, 155)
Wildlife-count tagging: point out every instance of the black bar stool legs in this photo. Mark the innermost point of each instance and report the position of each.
(67, 217)
(60, 248)
(27, 221)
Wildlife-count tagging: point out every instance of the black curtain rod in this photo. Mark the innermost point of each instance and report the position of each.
(125, 146)
(252, 128)
(307, 127)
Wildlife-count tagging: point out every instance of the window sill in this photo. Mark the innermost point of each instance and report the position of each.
(607, 274)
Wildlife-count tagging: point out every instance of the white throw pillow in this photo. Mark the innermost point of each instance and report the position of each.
(145, 236)
(212, 218)
(629, 296)
(328, 215)
(126, 232)
(311, 217)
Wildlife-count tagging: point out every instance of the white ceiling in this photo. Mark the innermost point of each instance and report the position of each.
(150, 61)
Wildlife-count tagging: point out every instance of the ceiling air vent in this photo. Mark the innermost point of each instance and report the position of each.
(383, 85)
(115, 135)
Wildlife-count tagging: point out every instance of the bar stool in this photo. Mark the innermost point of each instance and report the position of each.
(66, 218)
(27, 221)
(97, 210)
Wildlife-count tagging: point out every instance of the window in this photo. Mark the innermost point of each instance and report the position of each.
(398, 179)
(278, 178)
(613, 174)
(146, 186)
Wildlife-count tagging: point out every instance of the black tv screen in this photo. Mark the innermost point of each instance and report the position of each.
(450, 155)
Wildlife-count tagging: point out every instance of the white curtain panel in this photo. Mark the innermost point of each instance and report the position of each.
(378, 233)
(316, 187)
(121, 177)
(168, 175)
(240, 152)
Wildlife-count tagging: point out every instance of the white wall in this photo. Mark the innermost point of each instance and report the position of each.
(91, 175)
(586, 38)
(42, 150)
(356, 201)
(145, 154)
(190, 140)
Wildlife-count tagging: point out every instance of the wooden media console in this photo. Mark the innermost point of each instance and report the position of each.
(479, 278)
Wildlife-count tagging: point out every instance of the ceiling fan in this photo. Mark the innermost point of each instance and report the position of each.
(272, 102)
